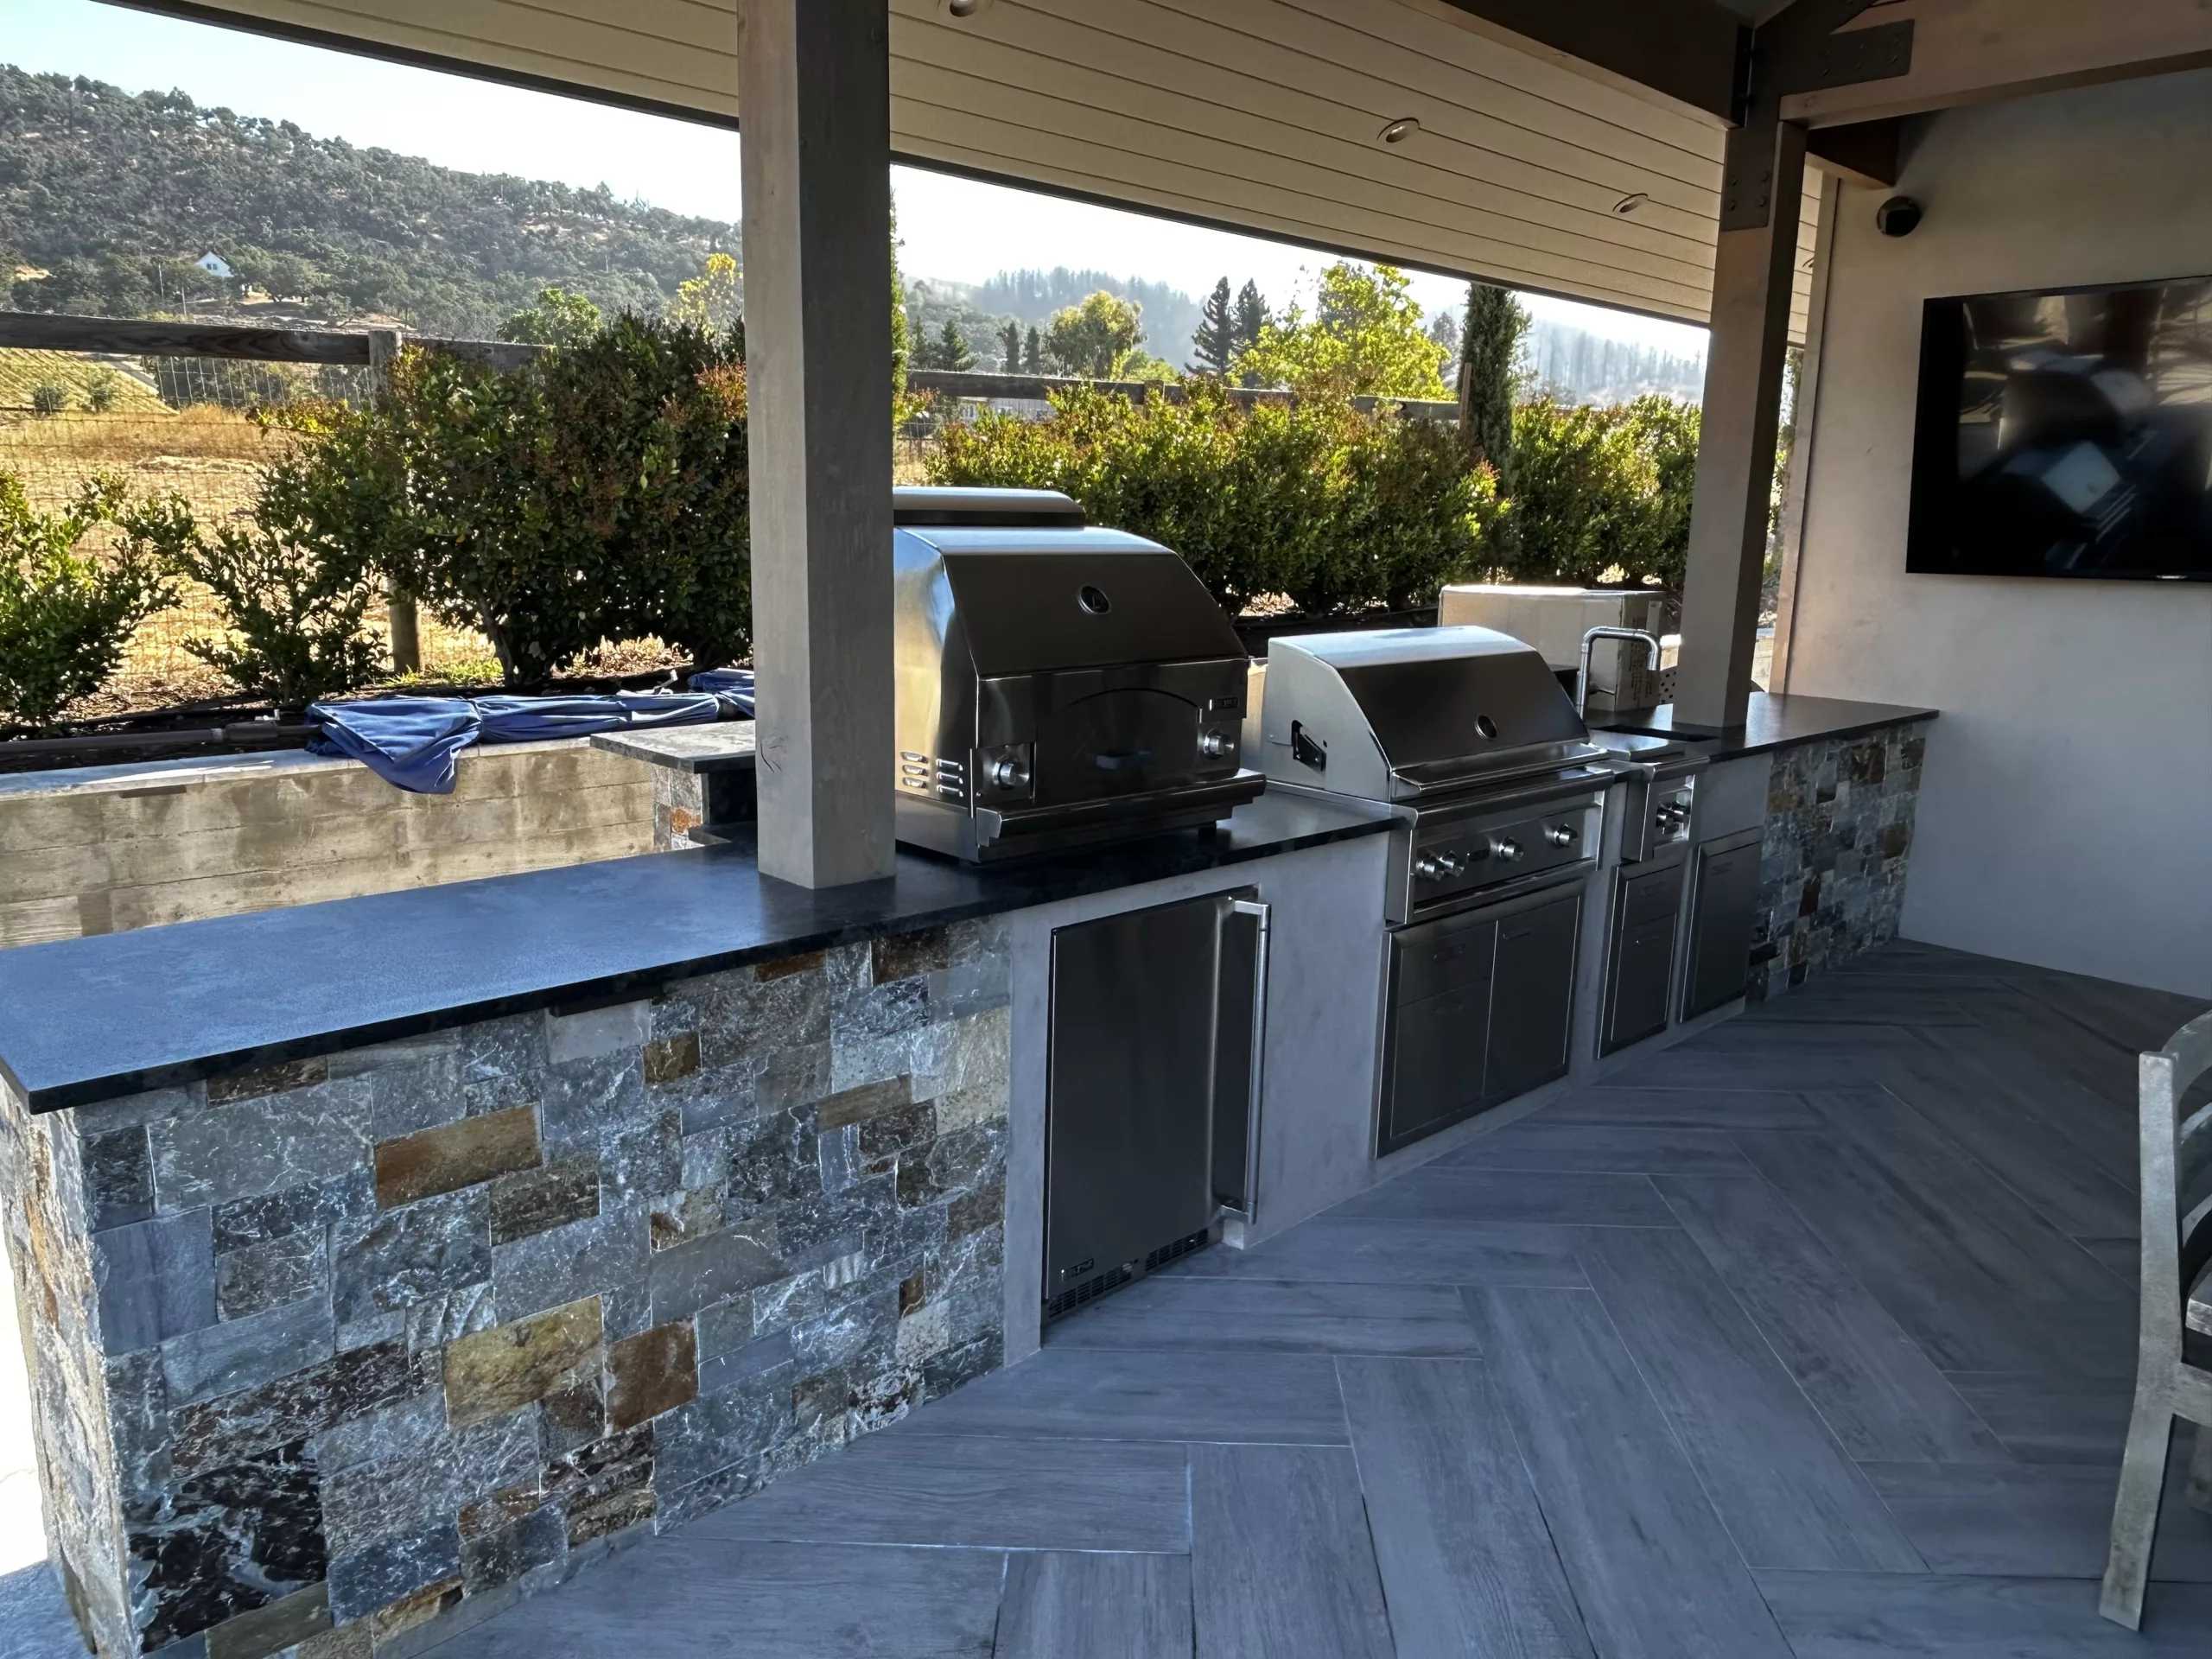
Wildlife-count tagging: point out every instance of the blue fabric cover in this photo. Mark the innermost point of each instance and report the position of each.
(411, 742)
(733, 684)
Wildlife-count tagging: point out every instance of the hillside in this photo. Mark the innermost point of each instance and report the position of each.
(111, 193)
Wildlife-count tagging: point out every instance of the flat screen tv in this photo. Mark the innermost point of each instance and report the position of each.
(2065, 433)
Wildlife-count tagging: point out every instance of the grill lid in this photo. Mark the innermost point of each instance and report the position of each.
(1394, 712)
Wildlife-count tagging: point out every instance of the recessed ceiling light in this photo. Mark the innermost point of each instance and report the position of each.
(1627, 203)
(1397, 131)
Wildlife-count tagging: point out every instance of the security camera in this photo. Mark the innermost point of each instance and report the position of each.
(1898, 216)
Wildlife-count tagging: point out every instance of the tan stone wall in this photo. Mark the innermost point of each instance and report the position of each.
(103, 850)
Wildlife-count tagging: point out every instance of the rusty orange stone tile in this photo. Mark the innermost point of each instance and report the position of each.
(511, 1365)
(805, 962)
(670, 1058)
(652, 1372)
(455, 1156)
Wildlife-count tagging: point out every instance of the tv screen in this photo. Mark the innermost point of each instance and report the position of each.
(2065, 433)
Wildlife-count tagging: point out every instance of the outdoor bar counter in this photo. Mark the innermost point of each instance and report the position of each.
(386, 1259)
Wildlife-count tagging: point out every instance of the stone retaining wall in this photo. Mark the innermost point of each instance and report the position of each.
(333, 1358)
(105, 848)
(1839, 839)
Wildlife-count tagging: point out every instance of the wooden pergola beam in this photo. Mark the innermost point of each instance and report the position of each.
(1976, 51)
(1689, 52)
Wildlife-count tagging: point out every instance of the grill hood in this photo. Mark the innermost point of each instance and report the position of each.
(1396, 714)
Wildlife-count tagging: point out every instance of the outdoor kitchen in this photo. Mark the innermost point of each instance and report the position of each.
(1044, 1112)
(656, 1178)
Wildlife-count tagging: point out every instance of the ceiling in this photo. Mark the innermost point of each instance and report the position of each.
(1256, 115)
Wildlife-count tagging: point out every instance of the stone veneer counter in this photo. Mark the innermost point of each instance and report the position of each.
(385, 1260)
(84, 1020)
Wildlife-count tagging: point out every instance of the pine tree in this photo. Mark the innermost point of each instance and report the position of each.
(1490, 346)
(1251, 316)
(1032, 354)
(952, 349)
(1215, 344)
(1010, 347)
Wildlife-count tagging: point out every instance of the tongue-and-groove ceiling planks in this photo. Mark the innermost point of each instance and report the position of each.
(1259, 115)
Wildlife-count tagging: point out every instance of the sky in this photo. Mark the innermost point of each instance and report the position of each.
(953, 229)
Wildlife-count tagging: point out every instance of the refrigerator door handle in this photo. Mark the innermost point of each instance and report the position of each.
(1240, 1056)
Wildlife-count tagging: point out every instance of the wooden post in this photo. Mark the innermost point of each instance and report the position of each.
(406, 626)
(814, 85)
(1752, 274)
(1796, 493)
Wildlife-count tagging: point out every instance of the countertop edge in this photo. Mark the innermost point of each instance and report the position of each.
(1727, 746)
(578, 995)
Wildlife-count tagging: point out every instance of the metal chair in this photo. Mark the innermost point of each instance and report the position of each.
(2173, 1375)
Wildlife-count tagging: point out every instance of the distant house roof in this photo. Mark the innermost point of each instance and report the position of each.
(213, 264)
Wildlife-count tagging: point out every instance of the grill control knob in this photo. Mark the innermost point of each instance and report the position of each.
(1007, 773)
(1561, 835)
(1214, 744)
(1505, 849)
(1428, 870)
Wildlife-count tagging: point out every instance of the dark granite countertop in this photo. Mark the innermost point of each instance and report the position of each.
(1771, 722)
(726, 746)
(86, 1019)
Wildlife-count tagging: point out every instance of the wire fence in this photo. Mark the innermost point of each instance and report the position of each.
(188, 425)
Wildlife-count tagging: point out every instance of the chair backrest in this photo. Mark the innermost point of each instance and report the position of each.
(2176, 1180)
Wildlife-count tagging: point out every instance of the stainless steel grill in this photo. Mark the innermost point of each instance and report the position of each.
(1464, 731)
(1058, 684)
(1468, 739)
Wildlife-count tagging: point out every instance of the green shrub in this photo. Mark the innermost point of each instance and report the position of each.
(1600, 491)
(49, 397)
(298, 607)
(1339, 509)
(65, 614)
(598, 493)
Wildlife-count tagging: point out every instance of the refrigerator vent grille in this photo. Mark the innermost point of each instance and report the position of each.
(1167, 1253)
(1089, 1290)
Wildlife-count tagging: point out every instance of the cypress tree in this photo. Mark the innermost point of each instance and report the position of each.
(1032, 354)
(1010, 347)
(1215, 344)
(1251, 317)
(1490, 348)
(952, 348)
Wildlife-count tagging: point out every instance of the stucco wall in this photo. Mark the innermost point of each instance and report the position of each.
(2068, 784)
(103, 850)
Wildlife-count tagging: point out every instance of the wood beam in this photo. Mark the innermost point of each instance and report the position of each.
(1754, 271)
(813, 78)
(1976, 51)
(1685, 53)
(1865, 153)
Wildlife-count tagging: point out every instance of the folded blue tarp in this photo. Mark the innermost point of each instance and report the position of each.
(735, 683)
(412, 742)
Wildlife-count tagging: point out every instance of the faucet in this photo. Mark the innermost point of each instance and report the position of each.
(1589, 644)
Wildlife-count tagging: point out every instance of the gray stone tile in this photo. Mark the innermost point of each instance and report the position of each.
(690, 1276)
(1684, 1108)
(1431, 1193)
(1540, 1144)
(157, 1280)
(2043, 1419)
(565, 1263)
(272, 1273)
(687, 1595)
(2051, 1521)
(404, 1256)
(221, 1359)
(1060, 1604)
(369, 1578)
(1281, 1563)
(260, 1146)
(988, 1493)
(1375, 1250)
(1859, 1616)
(1268, 1316)
(423, 1483)
(1082, 1394)
(118, 1177)
(35, 1621)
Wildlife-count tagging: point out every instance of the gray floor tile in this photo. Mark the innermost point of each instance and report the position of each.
(1654, 1571)
(1268, 1316)
(1770, 1467)
(1686, 1109)
(974, 1492)
(2044, 1419)
(1541, 1143)
(1432, 1193)
(1880, 1394)
(1073, 1392)
(2051, 1521)
(688, 1595)
(35, 1621)
(1969, 1306)
(1860, 1615)
(1774, 1065)
(1467, 1561)
(1281, 1566)
(1376, 1251)
(1061, 1605)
